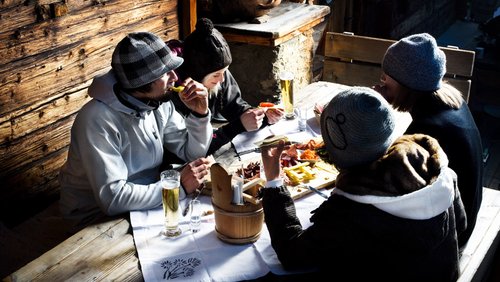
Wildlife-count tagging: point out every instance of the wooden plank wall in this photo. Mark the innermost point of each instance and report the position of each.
(49, 52)
(393, 19)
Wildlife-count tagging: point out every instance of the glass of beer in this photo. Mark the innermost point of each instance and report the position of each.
(170, 182)
(286, 85)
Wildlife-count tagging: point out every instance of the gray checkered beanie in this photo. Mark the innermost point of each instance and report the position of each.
(416, 62)
(141, 58)
(205, 51)
(357, 127)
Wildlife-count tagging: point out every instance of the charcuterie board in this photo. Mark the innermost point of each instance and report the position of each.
(324, 175)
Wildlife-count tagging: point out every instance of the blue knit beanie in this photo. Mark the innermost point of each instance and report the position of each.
(416, 62)
(141, 58)
(357, 127)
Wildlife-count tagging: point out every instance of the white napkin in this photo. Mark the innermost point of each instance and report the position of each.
(245, 141)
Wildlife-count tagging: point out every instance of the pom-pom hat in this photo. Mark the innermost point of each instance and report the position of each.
(205, 51)
(141, 58)
(357, 127)
(416, 62)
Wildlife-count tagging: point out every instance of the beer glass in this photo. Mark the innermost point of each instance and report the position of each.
(286, 85)
(170, 182)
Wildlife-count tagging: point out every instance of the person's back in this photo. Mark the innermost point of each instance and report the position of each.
(412, 81)
(391, 216)
(376, 231)
(459, 137)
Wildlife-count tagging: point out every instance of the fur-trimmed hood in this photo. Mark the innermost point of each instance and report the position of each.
(412, 180)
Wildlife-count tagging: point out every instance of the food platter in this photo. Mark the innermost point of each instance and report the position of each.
(298, 173)
(324, 177)
(324, 173)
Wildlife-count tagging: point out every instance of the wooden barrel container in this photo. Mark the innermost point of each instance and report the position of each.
(238, 227)
(235, 224)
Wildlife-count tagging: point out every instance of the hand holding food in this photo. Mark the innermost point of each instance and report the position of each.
(194, 96)
(271, 158)
(252, 119)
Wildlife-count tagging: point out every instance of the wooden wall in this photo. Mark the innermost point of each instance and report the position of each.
(393, 19)
(49, 52)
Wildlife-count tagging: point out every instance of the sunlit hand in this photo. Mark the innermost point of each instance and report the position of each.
(271, 160)
(195, 96)
(192, 174)
(274, 115)
(252, 119)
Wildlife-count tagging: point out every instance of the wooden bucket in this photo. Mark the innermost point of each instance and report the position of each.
(235, 224)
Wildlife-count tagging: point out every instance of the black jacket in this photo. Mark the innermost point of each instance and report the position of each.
(227, 105)
(459, 137)
(354, 238)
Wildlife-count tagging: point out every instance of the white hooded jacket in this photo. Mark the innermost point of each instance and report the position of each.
(116, 152)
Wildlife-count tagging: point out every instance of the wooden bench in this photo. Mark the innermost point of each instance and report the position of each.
(357, 60)
(479, 252)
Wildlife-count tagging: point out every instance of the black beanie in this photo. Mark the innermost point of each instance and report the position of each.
(205, 51)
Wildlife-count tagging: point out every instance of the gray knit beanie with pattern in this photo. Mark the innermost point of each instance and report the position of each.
(357, 127)
(416, 62)
(141, 58)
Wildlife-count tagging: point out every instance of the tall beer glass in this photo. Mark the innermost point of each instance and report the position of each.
(170, 181)
(286, 85)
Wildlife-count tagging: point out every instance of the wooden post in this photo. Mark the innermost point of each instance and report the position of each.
(188, 18)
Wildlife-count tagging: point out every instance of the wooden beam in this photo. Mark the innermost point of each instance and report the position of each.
(188, 18)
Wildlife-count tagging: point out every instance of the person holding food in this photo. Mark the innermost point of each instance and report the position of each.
(412, 81)
(119, 137)
(395, 212)
(206, 59)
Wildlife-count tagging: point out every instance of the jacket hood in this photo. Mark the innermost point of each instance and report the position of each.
(411, 181)
(425, 203)
(103, 89)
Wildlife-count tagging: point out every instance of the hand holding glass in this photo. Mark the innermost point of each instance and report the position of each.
(170, 181)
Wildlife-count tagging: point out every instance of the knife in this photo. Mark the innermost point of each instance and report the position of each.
(317, 192)
(254, 150)
(258, 149)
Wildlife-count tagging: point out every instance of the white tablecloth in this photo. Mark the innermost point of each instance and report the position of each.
(290, 128)
(202, 256)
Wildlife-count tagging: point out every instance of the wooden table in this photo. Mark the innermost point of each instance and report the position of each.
(282, 24)
(106, 251)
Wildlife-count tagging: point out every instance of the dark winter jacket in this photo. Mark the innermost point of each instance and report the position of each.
(228, 106)
(459, 137)
(391, 221)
